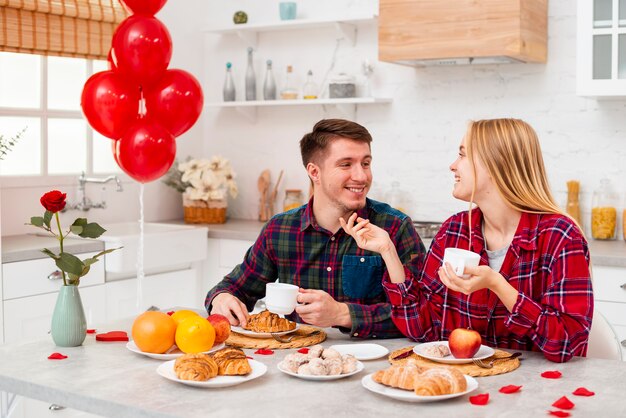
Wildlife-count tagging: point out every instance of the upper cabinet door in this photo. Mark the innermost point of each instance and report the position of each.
(601, 48)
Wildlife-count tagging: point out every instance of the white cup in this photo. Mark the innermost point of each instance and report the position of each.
(281, 298)
(459, 259)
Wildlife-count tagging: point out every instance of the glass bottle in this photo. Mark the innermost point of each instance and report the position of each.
(309, 90)
(250, 78)
(395, 197)
(269, 86)
(289, 91)
(603, 212)
(573, 205)
(229, 84)
(293, 199)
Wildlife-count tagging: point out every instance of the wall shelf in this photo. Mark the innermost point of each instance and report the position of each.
(347, 106)
(249, 32)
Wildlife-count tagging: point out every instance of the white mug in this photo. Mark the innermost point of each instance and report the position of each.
(459, 259)
(281, 298)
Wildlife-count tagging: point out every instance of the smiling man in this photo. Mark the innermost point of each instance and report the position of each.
(340, 284)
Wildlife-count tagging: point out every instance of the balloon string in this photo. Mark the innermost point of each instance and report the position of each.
(140, 272)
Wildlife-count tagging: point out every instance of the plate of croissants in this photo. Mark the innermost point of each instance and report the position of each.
(320, 364)
(411, 383)
(171, 354)
(264, 324)
(226, 367)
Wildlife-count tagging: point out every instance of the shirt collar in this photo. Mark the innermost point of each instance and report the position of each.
(307, 219)
(525, 235)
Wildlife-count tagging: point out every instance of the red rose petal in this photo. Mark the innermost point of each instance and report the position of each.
(509, 389)
(551, 374)
(57, 356)
(481, 399)
(303, 350)
(563, 403)
(91, 331)
(264, 352)
(170, 313)
(112, 336)
(559, 413)
(583, 392)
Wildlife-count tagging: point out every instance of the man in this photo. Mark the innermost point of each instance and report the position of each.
(340, 284)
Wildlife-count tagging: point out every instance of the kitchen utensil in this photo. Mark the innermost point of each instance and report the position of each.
(282, 339)
(272, 199)
(489, 365)
(263, 185)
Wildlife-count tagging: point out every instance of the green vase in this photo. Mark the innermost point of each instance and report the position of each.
(69, 326)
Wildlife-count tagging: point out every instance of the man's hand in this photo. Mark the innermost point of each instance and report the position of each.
(320, 309)
(231, 307)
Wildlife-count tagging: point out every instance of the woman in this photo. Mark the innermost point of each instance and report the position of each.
(532, 289)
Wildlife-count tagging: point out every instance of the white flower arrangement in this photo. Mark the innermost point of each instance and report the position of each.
(204, 179)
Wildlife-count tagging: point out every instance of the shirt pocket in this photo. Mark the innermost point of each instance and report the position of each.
(362, 276)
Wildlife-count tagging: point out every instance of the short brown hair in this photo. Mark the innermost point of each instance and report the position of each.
(313, 144)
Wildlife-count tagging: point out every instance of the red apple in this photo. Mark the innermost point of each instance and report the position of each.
(464, 343)
(222, 327)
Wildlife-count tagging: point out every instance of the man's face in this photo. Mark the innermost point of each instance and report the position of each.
(344, 175)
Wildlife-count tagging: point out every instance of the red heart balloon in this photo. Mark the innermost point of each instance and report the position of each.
(143, 48)
(175, 101)
(143, 7)
(146, 151)
(110, 103)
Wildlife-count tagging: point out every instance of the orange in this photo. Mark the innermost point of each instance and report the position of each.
(195, 335)
(182, 314)
(154, 332)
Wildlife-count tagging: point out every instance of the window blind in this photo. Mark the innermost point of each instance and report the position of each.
(74, 28)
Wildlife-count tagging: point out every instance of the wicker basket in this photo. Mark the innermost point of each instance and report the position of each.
(203, 212)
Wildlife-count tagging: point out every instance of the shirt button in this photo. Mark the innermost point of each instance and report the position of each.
(356, 334)
(362, 260)
(332, 238)
(329, 269)
(373, 336)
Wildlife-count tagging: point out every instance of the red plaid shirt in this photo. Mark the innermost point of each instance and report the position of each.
(547, 262)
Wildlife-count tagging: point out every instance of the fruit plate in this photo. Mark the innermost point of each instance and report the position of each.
(254, 334)
(363, 351)
(169, 356)
(410, 396)
(359, 368)
(258, 369)
(483, 353)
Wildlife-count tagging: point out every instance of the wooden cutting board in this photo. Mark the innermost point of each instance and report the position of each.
(302, 339)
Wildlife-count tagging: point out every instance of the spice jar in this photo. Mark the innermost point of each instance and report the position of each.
(342, 86)
(293, 199)
(603, 212)
(573, 205)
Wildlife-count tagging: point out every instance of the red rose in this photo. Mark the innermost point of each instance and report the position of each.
(53, 201)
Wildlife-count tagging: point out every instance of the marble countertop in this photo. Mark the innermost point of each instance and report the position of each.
(108, 379)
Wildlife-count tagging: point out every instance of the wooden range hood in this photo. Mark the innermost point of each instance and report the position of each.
(438, 32)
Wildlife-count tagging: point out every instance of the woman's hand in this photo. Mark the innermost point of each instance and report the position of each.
(367, 236)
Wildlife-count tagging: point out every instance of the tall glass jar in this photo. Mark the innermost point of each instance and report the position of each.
(293, 199)
(604, 212)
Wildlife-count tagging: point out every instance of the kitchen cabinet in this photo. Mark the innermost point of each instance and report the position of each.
(249, 33)
(609, 289)
(222, 257)
(432, 32)
(601, 48)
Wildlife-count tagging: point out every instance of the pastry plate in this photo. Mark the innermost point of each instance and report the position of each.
(170, 356)
(359, 368)
(363, 351)
(258, 369)
(483, 353)
(253, 334)
(410, 396)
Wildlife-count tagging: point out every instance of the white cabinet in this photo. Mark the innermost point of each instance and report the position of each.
(222, 257)
(601, 48)
(609, 289)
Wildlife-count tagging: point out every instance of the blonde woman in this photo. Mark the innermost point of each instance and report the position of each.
(532, 289)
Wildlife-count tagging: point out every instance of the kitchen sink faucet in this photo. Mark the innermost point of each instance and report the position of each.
(85, 203)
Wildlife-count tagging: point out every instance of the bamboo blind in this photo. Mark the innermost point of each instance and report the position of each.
(74, 28)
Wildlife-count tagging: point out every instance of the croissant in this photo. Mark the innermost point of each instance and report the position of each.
(401, 376)
(231, 362)
(439, 381)
(199, 367)
(268, 322)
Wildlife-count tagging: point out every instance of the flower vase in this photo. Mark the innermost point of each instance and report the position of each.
(69, 326)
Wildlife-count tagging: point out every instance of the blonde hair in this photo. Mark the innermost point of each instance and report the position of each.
(510, 151)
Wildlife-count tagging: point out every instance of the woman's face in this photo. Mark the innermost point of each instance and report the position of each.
(464, 177)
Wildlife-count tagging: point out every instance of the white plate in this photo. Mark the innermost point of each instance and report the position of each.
(171, 356)
(362, 351)
(410, 396)
(359, 367)
(258, 369)
(253, 334)
(483, 353)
